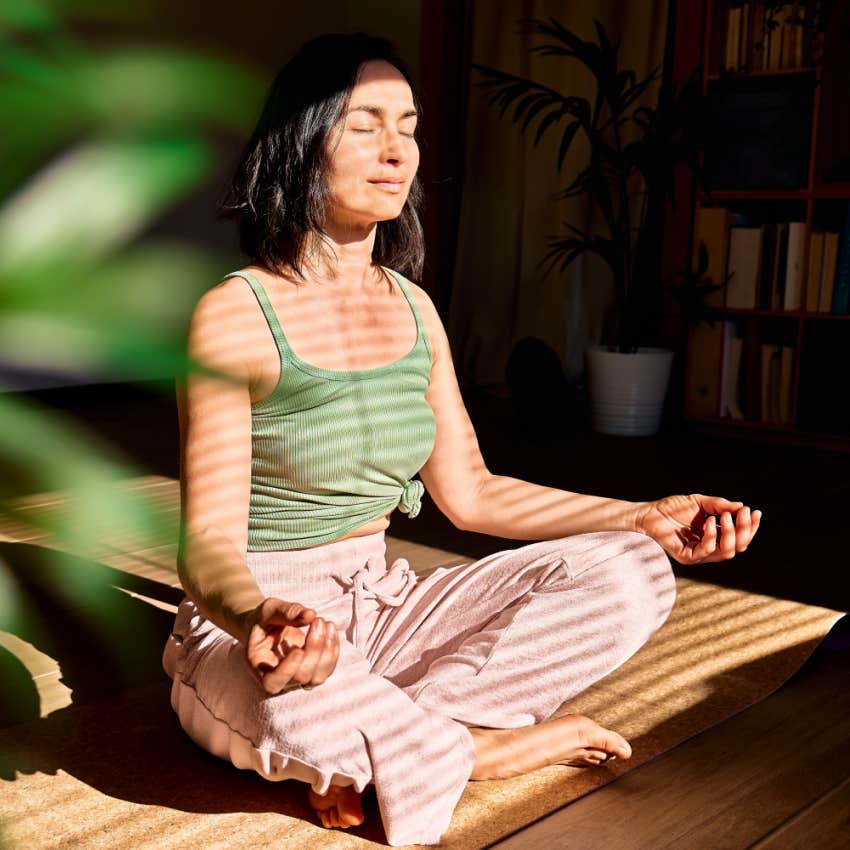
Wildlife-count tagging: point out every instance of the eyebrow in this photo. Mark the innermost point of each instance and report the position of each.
(379, 111)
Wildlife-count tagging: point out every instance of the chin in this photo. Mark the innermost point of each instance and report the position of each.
(386, 214)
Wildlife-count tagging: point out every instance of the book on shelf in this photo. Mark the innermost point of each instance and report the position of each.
(733, 38)
(755, 379)
(750, 376)
(774, 48)
(767, 271)
(702, 371)
(776, 386)
(777, 281)
(813, 280)
(840, 304)
(765, 262)
(792, 24)
(793, 289)
(771, 368)
(744, 38)
(745, 244)
(786, 380)
(830, 260)
(758, 40)
(733, 344)
(712, 230)
(765, 382)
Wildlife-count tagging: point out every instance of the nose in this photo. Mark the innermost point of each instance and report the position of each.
(394, 149)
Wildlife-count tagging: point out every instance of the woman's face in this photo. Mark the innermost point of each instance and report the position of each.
(374, 155)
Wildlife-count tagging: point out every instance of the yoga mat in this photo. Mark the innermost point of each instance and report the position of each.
(120, 771)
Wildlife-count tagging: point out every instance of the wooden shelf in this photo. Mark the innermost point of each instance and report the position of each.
(778, 72)
(832, 316)
(756, 424)
(753, 337)
(826, 191)
(779, 314)
(839, 191)
(766, 432)
(756, 195)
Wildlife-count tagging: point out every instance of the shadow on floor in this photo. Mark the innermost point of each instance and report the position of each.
(76, 611)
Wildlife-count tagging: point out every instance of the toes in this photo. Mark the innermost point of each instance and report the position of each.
(350, 819)
(596, 738)
(339, 808)
(350, 807)
(612, 743)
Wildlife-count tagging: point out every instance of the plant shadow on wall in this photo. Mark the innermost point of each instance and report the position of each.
(98, 145)
(633, 148)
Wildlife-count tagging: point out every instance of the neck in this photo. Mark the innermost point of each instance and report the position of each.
(344, 258)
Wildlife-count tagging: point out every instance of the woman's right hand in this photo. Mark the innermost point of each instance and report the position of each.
(281, 654)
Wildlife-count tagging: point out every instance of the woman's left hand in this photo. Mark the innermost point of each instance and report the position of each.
(687, 527)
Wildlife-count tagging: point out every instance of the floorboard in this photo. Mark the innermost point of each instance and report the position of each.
(776, 772)
(824, 825)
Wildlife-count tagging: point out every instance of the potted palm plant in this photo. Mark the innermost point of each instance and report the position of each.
(632, 147)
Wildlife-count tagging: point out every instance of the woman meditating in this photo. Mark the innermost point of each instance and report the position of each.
(299, 652)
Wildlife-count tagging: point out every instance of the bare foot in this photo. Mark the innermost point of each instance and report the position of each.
(339, 807)
(572, 739)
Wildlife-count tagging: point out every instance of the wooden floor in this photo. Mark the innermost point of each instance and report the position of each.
(776, 776)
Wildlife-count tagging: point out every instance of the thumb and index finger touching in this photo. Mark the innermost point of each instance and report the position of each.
(717, 504)
(282, 613)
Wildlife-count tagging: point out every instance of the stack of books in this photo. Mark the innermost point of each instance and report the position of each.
(755, 378)
(761, 40)
(766, 264)
(828, 289)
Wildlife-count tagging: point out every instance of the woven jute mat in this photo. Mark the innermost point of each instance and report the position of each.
(118, 771)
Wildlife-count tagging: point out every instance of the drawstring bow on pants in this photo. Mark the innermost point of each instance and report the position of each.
(388, 588)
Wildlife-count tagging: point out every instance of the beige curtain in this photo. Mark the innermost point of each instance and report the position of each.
(499, 293)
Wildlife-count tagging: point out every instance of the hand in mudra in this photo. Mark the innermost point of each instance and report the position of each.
(281, 654)
(688, 528)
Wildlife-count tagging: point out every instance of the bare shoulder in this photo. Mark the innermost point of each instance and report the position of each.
(430, 317)
(227, 329)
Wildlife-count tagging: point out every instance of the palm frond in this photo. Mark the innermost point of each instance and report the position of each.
(635, 90)
(566, 141)
(563, 253)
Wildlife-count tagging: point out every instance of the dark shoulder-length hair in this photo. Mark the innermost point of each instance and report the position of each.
(279, 191)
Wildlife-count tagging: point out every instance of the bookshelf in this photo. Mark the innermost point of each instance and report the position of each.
(774, 212)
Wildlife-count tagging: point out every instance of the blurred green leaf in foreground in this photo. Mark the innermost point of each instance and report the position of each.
(96, 147)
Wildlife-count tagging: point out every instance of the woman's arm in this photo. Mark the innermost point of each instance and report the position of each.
(521, 510)
(474, 499)
(285, 642)
(215, 469)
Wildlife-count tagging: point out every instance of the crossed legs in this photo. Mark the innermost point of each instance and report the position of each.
(500, 644)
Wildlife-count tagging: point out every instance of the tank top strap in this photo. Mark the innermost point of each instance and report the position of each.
(420, 325)
(268, 312)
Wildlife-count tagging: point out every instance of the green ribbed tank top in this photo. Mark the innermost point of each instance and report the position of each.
(331, 450)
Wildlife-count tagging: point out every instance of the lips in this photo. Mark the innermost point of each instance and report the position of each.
(393, 185)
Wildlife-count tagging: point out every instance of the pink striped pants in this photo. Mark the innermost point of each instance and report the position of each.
(501, 642)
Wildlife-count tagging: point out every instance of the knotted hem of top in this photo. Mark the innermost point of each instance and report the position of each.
(411, 498)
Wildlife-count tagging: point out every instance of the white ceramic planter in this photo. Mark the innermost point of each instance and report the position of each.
(627, 390)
